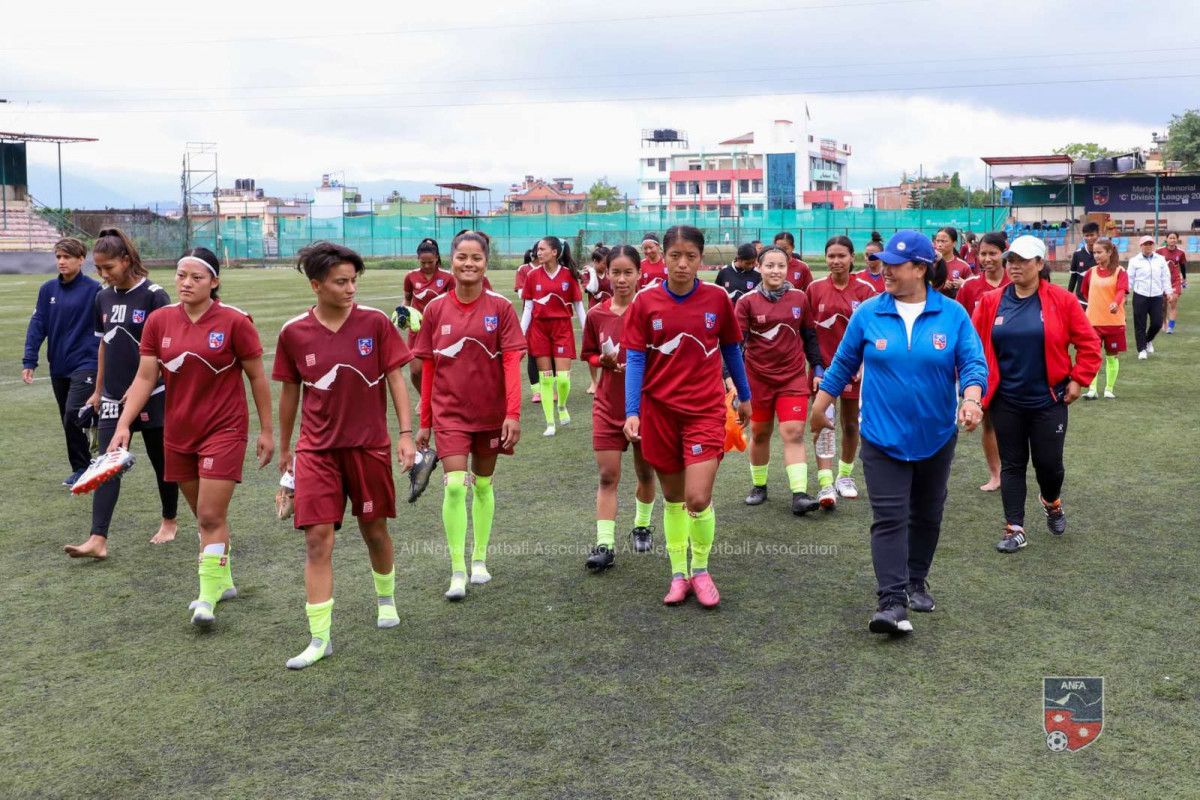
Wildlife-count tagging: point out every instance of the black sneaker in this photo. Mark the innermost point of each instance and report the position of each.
(600, 559)
(919, 598)
(803, 503)
(643, 541)
(1014, 539)
(1056, 518)
(892, 618)
(418, 476)
(757, 496)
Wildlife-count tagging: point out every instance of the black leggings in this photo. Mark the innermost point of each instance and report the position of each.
(104, 500)
(1146, 307)
(71, 394)
(1020, 434)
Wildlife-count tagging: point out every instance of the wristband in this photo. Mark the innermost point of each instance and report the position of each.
(973, 400)
(408, 430)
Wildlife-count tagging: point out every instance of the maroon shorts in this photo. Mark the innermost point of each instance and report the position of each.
(607, 436)
(1112, 338)
(218, 458)
(853, 389)
(551, 337)
(784, 407)
(672, 440)
(325, 478)
(461, 443)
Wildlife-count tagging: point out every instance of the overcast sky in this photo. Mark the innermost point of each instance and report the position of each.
(487, 92)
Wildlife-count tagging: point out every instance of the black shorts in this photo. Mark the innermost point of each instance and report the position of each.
(152, 416)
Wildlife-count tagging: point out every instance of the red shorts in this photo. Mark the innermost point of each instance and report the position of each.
(461, 443)
(672, 440)
(551, 337)
(606, 436)
(219, 458)
(853, 389)
(325, 478)
(785, 407)
(1112, 338)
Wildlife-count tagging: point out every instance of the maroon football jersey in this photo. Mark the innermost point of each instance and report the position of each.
(465, 342)
(682, 340)
(603, 331)
(344, 375)
(202, 370)
(774, 348)
(975, 288)
(424, 288)
(799, 275)
(831, 309)
(652, 271)
(603, 291)
(874, 280)
(552, 295)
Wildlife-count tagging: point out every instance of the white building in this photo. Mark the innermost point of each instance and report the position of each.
(780, 166)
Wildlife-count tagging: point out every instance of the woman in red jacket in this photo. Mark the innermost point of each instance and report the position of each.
(1026, 329)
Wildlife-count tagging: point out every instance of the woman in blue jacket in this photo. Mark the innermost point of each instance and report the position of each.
(913, 343)
(63, 318)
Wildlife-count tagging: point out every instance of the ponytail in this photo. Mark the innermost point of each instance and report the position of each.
(113, 243)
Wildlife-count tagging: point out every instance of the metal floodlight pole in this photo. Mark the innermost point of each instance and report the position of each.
(3, 185)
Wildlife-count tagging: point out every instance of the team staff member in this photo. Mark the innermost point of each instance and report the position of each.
(63, 319)
(203, 346)
(1150, 283)
(799, 275)
(551, 291)
(421, 285)
(654, 268)
(1083, 259)
(119, 318)
(602, 350)
(1027, 330)
(778, 334)
(833, 300)
(470, 399)
(916, 346)
(1105, 287)
(1177, 262)
(742, 275)
(992, 276)
(675, 402)
(348, 358)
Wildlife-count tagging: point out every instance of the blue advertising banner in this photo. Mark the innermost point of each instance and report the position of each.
(1137, 194)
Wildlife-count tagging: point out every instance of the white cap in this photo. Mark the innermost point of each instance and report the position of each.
(1027, 247)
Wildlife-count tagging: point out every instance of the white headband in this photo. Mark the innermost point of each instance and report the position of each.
(199, 261)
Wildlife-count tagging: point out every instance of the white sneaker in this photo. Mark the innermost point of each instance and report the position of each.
(827, 497)
(564, 419)
(479, 573)
(550, 431)
(1142, 355)
(1108, 395)
(1091, 395)
(846, 487)
(1150, 347)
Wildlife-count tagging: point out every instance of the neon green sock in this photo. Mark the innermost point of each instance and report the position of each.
(643, 514)
(212, 570)
(606, 532)
(844, 469)
(1112, 366)
(824, 478)
(564, 388)
(320, 619)
(702, 529)
(385, 591)
(1095, 382)
(758, 474)
(454, 518)
(227, 569)
(483, 510)
(385, 585)
(547, 385)
(675, 531)
(797, 475)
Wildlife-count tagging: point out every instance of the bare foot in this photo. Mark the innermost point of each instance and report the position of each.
(166, 532)
(991, 485)
(95, 547)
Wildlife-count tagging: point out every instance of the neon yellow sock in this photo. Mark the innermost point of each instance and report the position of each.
(1095, 382)
(758, 474)
(385, 591)
(212, 570)
(675, 531)
(547, 385)
(643, 514)
(1112, 366)
(844, 469)
(227, 569)
(824, 478)
(454, 518)
(702, 529)
(606, 532)
(385, 585)
(564, 388)
(320, 619)
(483, 510)
(797, 477)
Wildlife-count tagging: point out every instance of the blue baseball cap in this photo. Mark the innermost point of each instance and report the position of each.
(906, 246)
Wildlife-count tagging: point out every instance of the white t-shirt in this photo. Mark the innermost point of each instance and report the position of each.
(909, 313)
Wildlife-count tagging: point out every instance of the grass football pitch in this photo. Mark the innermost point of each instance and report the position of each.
(550, 682)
